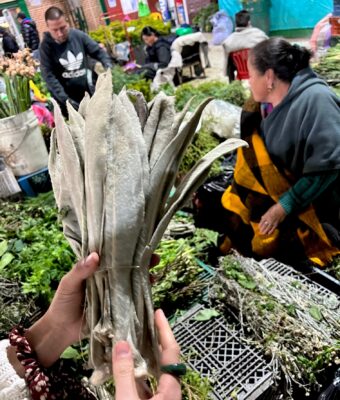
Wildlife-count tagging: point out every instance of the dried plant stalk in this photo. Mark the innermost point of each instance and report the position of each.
(112, 169)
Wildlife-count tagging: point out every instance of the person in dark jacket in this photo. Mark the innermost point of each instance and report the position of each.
(29, 31)
(64, 54)
(9, 43)
(158, 52)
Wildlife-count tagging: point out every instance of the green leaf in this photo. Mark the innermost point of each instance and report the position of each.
(206, 314)
(247, 284)
(70, 353)
(18, 246)
(5, 260)
(315, 312)
(3, 247)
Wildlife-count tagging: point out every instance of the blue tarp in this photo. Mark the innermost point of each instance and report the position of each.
(287, 14)
(292, 14)
(230, 6)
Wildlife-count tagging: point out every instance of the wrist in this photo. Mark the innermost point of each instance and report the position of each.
(47, 341)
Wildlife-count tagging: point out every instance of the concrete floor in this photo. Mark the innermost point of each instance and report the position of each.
(216, 59)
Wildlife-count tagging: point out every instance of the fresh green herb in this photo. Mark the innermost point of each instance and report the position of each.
(206, 314)
(40, 253)
(233, 93)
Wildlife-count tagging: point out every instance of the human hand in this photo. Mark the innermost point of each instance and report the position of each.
(62, 324)
(169, 387)
(271, 219)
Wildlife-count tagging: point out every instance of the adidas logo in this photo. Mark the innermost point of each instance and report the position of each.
(72, 63)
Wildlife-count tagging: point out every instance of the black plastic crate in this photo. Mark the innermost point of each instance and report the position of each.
(215, 349)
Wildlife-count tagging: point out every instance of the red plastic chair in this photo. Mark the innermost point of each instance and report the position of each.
(240, 58)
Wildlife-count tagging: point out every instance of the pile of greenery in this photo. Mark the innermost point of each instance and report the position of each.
(291, 321)
(234, 93)
(34, 250)
(328, 67)
(118, 32)
(202, 143)
(121, 79)
(176, 279)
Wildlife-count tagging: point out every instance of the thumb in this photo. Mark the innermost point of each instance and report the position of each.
(85, 268)
(123, 372)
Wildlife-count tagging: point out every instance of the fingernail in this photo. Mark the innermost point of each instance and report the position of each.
(88, 258)
(161, 313)
(122, 349)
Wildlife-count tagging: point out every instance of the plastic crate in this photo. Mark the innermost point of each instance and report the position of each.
(215, 349)
(35, 183)
(286, 270)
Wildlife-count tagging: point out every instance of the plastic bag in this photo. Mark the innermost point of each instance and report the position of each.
(122, 51)
(208, 210)
(222, 27)
(221, 118)
(333, 390)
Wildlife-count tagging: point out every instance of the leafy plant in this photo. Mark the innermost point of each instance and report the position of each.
(234, 93)
(202, 143)
(176, 279)
(206, 314)
(121, 79)
(118, 31)
(328, 68)
(202, 17)
(34, 237)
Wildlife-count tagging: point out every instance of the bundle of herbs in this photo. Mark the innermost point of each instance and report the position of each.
(112, 169)
(177, 278)
(202, 143)
(294, 324)
(328, 67)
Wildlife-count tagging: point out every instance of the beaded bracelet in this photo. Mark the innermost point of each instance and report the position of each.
(51, 383)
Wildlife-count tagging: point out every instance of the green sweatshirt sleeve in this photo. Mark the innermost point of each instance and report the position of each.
(306, 190)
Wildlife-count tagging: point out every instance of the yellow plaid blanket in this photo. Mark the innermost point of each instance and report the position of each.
(257, 185)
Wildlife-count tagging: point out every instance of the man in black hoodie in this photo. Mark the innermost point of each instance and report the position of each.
(64, 62)
(29, 31)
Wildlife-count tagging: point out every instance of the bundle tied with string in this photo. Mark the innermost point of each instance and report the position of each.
(112, 168)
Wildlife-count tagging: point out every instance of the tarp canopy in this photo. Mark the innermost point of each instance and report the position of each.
(286, 14)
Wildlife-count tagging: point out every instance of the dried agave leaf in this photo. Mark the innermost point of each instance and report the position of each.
(83, 106)
(191, 182)
(127, 172)
(140, 105)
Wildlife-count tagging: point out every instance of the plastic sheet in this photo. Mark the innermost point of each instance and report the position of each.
(222, 27)
(221, 118)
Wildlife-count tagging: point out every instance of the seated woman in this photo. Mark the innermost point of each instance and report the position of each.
(158, 52)
(284, 201)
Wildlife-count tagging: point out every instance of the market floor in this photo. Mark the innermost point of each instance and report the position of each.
(216, 59)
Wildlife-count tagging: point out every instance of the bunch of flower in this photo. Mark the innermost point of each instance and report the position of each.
(22, 64)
